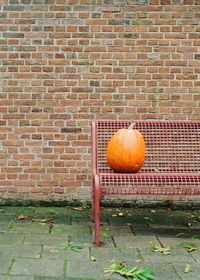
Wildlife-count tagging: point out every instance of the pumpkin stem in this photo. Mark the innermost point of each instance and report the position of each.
(131, 126)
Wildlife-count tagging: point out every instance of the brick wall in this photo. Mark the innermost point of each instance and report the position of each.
(66, 62)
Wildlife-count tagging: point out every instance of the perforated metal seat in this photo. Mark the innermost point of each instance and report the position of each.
(171, 169)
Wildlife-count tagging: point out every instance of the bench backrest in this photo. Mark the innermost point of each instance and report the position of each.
(170, 146)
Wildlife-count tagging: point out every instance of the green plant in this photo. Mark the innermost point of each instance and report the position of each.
(132, 273)
(73, 247)
(190, 247)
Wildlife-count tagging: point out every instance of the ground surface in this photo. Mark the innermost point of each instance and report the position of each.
(41, 243)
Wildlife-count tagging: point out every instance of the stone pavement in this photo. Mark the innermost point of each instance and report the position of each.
(38, 243)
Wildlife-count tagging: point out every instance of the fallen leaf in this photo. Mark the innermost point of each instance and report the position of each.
(78, 208)
(73, 247)
(190, 247)
(53, 251)
(104, 233)
(129, 272)
(43, 221)
(188, 268)
(161, 250)
(93, 259)
(120, 214)
(21, 217)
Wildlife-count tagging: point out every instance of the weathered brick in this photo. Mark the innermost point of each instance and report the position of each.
(71, 130)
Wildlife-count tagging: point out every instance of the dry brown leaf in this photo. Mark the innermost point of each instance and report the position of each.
(78, 208)
(21, 217)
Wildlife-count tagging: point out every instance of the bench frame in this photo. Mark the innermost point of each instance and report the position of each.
(183, 178)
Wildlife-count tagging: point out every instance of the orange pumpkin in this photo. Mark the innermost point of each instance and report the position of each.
(126, 150)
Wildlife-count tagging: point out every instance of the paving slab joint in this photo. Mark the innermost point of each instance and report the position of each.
(10, 266)
(174, 269)
(141, 258)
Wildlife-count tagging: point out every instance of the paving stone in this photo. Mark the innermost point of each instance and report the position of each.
(161, 270)
(122, 230)
(6, 217)
(120, 220)
(15, 211)
(77, 233)
(59, 229)
(41, 239)
(39, 267)
(162, 217)
(61, 278)
(20, 251)
(53, 252)
(58, 214)
(10, 277)
(106, 254)
(176, 255)
(29, 227)
(48, 278)
(4, 226)
(107, 242)
(59, 252)
(193, 275)
(138, 241)
(168, 231)
(115, 254)
(141, 229)
(195, 255)
(132, 254)
(130, 215)
(51, 210)
(176, 241)
(78, 256)
(5, 264)
(86, 269)
(11, 238)
(76, 216)
(108, 232)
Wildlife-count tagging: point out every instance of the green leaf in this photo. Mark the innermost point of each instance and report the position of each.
(130, 273)
(189, 246)
(73, 247)
(104, 233)
(117, 266)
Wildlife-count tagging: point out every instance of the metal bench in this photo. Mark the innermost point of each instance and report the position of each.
(171, 169)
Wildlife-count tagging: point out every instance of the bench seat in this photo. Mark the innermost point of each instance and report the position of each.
(150, 184)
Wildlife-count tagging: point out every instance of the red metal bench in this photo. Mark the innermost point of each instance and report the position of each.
(171, 169)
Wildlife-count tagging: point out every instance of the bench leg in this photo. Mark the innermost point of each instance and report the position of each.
(97, 217)
(96, 210)
(92, 199)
